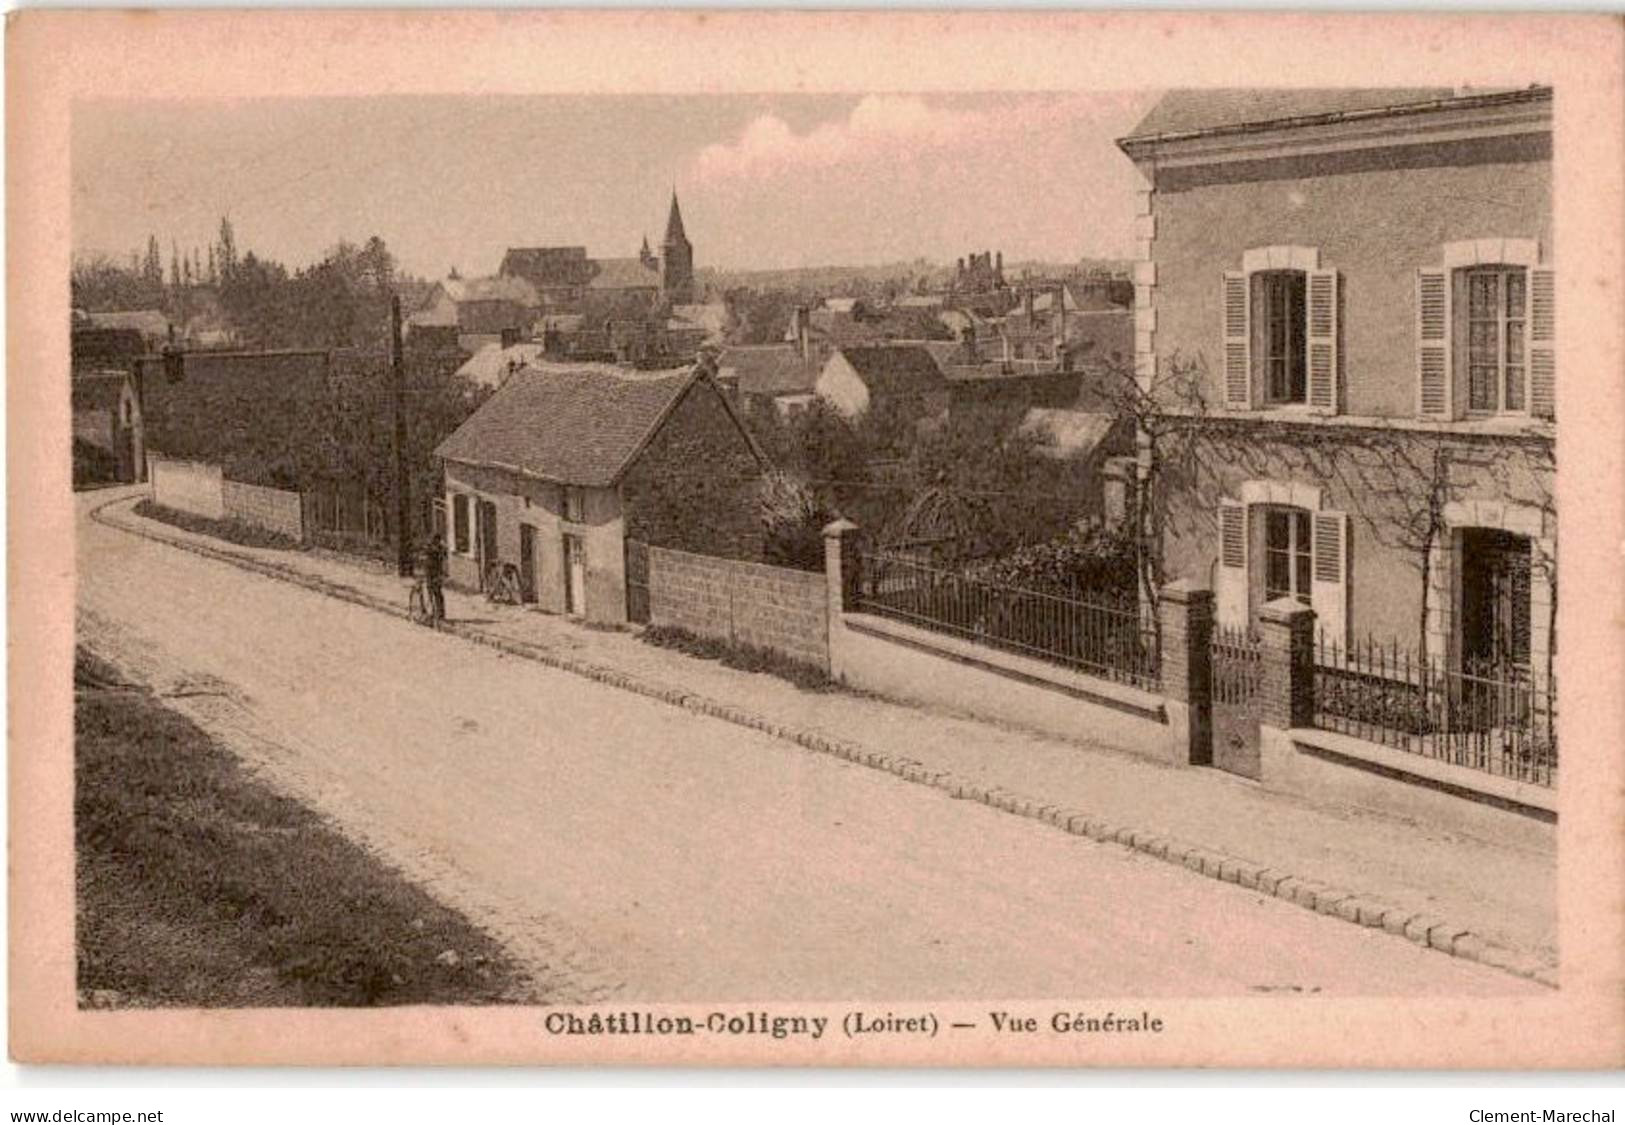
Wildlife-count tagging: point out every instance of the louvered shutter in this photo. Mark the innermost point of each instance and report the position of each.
(1435, 391)
(1321, 337)
(1238, 393)
(1542, 343)
(1230, 576)
(1329, 576)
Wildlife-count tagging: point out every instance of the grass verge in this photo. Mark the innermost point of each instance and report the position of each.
(199, 886)
(232, 531)
(748, 658)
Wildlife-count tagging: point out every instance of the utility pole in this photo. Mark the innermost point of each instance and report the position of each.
(403, 506)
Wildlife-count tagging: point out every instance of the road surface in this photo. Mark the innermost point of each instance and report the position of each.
(631, 850)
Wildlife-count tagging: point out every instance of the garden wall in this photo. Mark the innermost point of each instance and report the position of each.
(768, 607)
(187, 486)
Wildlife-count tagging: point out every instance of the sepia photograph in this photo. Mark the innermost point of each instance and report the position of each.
(861, 575)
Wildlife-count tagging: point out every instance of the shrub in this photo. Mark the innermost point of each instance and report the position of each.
(230, 530)
(747, 658)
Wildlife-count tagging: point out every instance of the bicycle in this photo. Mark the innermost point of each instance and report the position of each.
(502, 584)
(419, 606)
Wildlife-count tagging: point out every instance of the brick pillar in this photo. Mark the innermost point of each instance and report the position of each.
(841, 564)
(1286, 696)
(1185, 616)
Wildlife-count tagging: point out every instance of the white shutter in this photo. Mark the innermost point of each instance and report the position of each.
(1321, 336)
(1435, 390)
(1230, 576)
(1238, 393)
(1542, 343)
(1329, 576)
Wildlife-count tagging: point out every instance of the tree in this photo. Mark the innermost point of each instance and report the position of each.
(152, 267)
(228, 249)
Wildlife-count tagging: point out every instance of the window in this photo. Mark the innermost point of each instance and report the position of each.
(459, 523)
(1278, 326)
(574, 505)
(1490, 330)
(1281, 332)
(1486, 331)
(1286, 554)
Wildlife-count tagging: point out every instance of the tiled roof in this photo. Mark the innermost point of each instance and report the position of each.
(515, 289)
(767, 370)
(895, 368)
(149, 322)
(492, 364)
(579, 424)
(1066, 433)
(623, 273)
(1191, 111)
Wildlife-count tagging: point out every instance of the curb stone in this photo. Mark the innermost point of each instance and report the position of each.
(1421, 929)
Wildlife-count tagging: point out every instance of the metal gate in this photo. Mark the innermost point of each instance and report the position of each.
(1237, 661)
(637, 582)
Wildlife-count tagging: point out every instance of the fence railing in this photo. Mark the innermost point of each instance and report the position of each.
(1110, 639)
(1497, 718)
(1237, 667)
(345, 518)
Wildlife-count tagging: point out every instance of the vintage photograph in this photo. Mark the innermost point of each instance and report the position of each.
(780, 566)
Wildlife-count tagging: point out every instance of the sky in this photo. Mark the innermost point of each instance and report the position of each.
(766, 182)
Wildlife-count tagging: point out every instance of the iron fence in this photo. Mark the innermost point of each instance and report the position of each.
(1237, 667)
(1493, 717)
(1106, 637)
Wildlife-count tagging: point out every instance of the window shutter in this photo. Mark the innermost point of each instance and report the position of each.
(1237, 363)
(1542, 343)
(1321, 337)
(1329, 577)
(1230, 576)
(1435, 391)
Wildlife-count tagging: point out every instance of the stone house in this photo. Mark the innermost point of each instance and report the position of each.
(902, 378)
(565, 463)
(109, 438)
(1345, 312)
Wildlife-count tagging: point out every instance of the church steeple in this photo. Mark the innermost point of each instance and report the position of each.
(676, 259)
(674, 223)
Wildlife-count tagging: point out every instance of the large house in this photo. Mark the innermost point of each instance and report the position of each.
(1345, 315)
(565, 463)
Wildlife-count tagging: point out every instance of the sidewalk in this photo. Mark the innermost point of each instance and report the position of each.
(1503, 894)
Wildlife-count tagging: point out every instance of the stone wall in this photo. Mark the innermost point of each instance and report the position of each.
(273, 509)
(743, 603)
(187, 486)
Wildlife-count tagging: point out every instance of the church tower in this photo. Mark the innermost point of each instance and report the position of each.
(676, 260)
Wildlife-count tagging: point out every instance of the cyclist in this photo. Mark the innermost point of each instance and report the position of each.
(433, 561)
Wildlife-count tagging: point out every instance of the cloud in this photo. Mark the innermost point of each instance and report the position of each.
(879, 127)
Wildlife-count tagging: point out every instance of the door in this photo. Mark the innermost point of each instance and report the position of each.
(637, 582)
(575, 576)
(1494, 599)
(527, 563)
(488, 538)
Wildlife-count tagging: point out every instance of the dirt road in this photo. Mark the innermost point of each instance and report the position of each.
(632, 850)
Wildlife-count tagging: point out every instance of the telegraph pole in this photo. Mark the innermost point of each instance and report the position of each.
(397, 374)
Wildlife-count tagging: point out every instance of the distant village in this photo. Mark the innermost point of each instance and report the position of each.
(1294, 423)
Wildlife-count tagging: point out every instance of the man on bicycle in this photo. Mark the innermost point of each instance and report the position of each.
(434, 575)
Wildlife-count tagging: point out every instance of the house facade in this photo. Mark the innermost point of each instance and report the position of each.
(565, 463)
(1345, 317)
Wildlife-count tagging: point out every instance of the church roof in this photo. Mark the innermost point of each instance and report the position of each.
(623, 273)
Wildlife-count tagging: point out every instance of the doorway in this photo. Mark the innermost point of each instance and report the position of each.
(487, 519)
(527, 564)
(575, 576)
(1495, 603)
